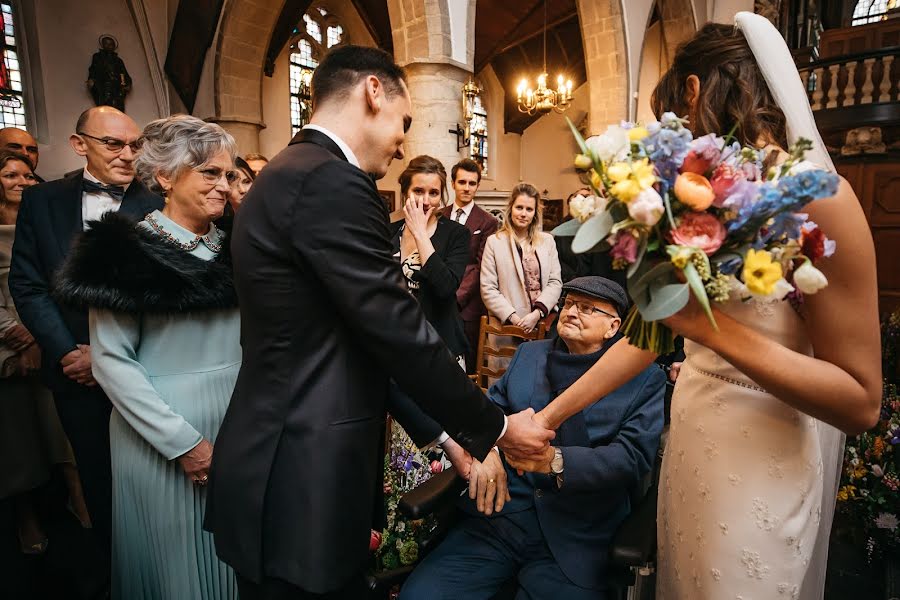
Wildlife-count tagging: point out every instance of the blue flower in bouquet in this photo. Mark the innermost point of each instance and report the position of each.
(786, 225)
(708, 147)
(668, 145)
(741, 195)
(808, 185)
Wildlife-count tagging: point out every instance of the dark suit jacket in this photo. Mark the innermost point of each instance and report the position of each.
(607, 449)
(439, 280)
(326, 321)
(482, 225)
(49, 220)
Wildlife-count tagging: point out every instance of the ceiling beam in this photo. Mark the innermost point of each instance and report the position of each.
(503, 41)
(509, 45)
(370, 27)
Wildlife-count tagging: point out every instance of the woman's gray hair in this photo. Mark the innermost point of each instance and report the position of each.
(175, 144)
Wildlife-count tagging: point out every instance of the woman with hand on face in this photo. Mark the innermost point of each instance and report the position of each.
(32, 440)
(520, 270)
(433, 252)
(165, 335)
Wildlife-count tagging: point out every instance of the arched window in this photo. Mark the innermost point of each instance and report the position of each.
(12, 102)
(313, 36)
(478, 136)
(872, 11)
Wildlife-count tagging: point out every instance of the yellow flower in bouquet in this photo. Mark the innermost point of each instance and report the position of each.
(630, 179)
(761, 273)
(636, 134)
(846, 492)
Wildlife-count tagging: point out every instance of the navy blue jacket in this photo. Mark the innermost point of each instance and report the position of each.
(48, 222)
(607, 450)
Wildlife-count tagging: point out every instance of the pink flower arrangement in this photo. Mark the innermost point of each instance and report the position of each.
(699, 230)
(624, 248)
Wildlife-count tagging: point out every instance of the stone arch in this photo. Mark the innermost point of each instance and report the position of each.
(606, 61)
(662, 37)
(244, 34)
(421, 31)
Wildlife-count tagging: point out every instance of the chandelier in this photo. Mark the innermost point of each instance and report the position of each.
(544, 99)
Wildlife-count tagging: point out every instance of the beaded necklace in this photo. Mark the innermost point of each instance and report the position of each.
(214, 233)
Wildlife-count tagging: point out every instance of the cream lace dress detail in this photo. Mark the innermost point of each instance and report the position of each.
(741, 485)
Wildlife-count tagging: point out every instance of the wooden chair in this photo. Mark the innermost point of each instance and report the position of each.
(483, 373)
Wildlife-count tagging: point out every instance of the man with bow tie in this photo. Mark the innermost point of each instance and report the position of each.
(52, 214)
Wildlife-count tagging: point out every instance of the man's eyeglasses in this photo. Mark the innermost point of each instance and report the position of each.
(213, 175)
(113, 144)
(585, 309)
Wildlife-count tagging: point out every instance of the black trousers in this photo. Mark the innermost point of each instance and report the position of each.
(84, 414)
(277, 589)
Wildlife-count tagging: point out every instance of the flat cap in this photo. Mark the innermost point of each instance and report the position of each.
(600, 288)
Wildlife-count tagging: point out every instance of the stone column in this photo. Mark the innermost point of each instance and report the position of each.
(436, 92)
(423, 44)
(605, 57)
(245, 133)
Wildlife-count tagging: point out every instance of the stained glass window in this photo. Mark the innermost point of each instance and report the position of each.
(335, 33)
(312, 28)
(478, 138)
(12, 104)
(872, 11)
(307, 49)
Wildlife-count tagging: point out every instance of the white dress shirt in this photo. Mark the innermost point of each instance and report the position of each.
(351, 158)
(94, 205)
(466, 211)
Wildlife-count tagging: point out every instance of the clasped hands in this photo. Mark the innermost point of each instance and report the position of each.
(526, 447)
(76, 365)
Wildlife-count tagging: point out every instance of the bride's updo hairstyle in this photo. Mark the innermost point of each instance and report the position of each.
(732, 89)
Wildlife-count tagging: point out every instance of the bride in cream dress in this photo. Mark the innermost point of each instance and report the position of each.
(753, 456)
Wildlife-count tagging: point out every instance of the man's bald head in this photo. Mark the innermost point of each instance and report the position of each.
(104, 136)
(19, 141)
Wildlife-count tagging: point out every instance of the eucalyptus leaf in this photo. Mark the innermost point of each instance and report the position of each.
(639, 257)
(641, 280)
(665, 301)
(567, 229)
(578, 138)
(592, 232)
(693, 279)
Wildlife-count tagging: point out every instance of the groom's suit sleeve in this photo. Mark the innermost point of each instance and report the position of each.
(341, 232)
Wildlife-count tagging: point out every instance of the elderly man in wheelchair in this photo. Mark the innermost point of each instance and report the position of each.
(550, 529)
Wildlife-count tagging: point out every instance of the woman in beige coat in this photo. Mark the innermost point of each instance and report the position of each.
(520, 271)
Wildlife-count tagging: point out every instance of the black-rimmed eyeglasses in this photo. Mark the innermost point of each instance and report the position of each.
(585, 309)
(114, 144)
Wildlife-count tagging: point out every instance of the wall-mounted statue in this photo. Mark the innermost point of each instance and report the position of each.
(108, 79)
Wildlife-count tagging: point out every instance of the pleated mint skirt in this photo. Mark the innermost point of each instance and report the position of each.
(160, 550)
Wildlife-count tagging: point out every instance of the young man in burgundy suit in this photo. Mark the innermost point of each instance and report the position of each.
(466, 176)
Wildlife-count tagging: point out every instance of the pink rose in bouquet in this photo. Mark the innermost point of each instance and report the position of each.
(699, 230)
(722, 181)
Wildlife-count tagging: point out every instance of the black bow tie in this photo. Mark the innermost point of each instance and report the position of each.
(116, 192)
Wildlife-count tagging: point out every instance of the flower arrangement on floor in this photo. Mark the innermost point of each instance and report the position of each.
(869, 496)
(405, 467)
(699, 216)
(870, 484)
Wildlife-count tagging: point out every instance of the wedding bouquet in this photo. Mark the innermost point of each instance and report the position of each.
(696, 216)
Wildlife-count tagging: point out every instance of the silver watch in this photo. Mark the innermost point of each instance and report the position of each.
(556, 463)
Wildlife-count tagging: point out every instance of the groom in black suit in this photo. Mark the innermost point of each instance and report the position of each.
(326, 321)
(52, 214)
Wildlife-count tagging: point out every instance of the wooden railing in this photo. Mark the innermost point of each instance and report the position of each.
(853, 80)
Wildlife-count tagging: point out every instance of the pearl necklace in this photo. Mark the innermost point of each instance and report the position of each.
(215, 246)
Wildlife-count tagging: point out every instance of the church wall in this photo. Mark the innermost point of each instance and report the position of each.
(67, 35)
(548, 149)
(650, 71)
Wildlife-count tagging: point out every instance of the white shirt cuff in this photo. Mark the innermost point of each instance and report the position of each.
(440, 439)
(505, 425)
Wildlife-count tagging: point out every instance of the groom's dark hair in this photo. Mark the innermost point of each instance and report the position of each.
(344, 66)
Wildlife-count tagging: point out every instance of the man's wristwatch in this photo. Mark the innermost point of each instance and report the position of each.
(556, 466)
(556, 463)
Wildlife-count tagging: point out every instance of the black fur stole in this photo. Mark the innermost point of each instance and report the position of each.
(117, 266)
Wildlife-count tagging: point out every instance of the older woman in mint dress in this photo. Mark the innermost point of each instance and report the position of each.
(166, 350)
